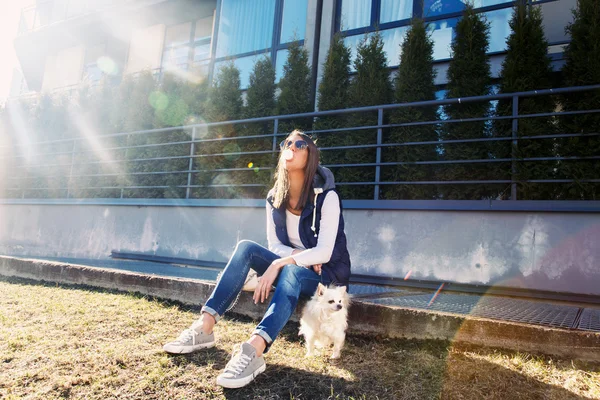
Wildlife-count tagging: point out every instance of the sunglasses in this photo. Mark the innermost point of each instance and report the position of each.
(300, 144)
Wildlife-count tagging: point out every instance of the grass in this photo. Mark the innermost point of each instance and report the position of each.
(73, 342)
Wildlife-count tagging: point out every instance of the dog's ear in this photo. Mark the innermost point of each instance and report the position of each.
(343, 288)
(321, 289)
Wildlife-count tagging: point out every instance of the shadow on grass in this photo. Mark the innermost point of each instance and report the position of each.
(381, 368)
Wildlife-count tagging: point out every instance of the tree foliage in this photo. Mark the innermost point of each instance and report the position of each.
(468, 75)
(415, 81)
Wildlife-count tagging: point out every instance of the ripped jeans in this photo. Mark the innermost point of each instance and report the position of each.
(293, 281)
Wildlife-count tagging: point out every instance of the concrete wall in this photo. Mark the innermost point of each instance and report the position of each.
(63, 68)
(145, 48)
(546, 251)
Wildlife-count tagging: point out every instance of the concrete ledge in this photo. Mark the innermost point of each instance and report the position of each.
(365, 318)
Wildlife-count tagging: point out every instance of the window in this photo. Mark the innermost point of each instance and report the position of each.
(293, 24)
(499, 28)
(392, 18)
(249, 29)
(355, 14)
(188, 46)
(395, 10)
(442, 33)
(432, 8)
(245, 26)
(244, 64)
(92, 73)
(282, 56)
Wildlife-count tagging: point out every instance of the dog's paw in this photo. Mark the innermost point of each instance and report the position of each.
(309, 354)
(335, 356)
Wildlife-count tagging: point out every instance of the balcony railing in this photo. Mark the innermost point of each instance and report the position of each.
(46, 13)
(235, 159)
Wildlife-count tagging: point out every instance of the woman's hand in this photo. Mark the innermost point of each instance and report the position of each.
(317, 268)
(265, 282)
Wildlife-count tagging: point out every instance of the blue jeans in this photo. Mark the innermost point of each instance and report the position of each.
(293, 281)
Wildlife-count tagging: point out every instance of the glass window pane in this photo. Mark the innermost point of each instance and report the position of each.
(293, 25)
(176, 57)
(92, 73)
(244, 64)
(352, 42)
(442, 33)
(499, 28)
(355, 14)
(245, 26)
(282, 56)
(178, 34)
(201, 52)
(203, 28)
(485, 3)
(392, 40)
(200, 68)
(432, 8)
(395, 10)
(93, 53)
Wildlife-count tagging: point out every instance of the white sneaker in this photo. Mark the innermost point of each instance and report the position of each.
(189, 341)
(243, 367)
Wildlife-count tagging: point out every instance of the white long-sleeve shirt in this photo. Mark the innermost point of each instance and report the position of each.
(321, 253)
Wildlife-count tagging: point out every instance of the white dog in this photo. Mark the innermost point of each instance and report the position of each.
(325, 319)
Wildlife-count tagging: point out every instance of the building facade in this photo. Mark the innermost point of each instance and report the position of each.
(64, 43)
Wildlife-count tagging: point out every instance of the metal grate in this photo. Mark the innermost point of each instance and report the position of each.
(367, 290)
(491, 307)
(590, 320)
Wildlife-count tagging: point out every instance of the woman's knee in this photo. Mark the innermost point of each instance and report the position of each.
(245, 246)
(289, 274)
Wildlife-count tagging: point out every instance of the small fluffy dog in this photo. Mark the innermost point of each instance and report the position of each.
(325, 319)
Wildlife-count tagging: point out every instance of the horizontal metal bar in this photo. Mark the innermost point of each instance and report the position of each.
(146, 187)
(361, 165)
(102, 149)
(166, 260)
(425, 205)
(500, 181)
(149, 159)
(491, 160)
(145, 173)
(505, 181)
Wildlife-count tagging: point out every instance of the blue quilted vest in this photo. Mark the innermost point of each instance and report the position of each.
(337, 270)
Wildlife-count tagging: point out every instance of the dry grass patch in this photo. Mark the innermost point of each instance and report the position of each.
(72, 342)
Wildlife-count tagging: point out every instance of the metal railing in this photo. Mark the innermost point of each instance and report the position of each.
(48, 12)
(72, 155)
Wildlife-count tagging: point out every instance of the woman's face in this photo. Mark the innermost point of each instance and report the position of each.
(299, 157)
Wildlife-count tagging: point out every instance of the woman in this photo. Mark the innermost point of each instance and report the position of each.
(307, 245)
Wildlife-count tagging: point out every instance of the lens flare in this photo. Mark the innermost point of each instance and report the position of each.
(201, 127)
(250, 165)
(232, 148)
(107, 65)
(436, 294)
(158, 100)
(407, 275)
